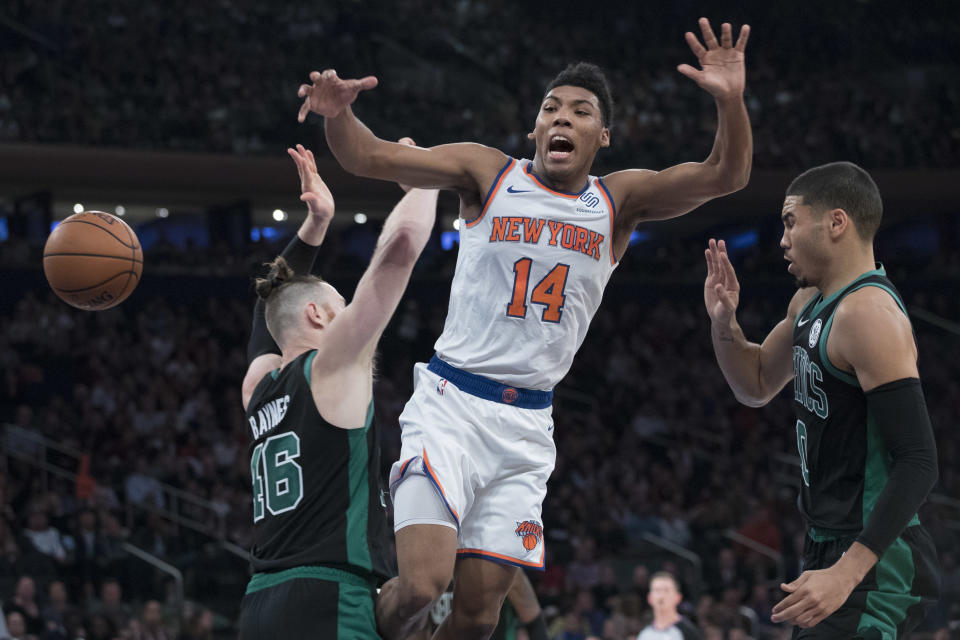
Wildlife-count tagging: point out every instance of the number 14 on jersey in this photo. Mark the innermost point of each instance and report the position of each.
(548, 292)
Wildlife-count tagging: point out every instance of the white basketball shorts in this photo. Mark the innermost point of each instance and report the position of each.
(488, 450)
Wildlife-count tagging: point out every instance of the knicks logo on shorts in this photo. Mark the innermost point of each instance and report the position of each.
(509, 395)
(530, 533)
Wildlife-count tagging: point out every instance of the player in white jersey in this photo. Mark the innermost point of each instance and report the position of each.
(539, 241)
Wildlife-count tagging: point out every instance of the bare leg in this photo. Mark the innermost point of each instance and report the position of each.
(426, 554)
(478, 594)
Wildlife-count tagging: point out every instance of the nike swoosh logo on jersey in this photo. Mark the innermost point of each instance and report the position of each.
(803, 322)
(510, 189)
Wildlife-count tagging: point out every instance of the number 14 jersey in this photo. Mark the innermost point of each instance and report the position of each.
(530, 275)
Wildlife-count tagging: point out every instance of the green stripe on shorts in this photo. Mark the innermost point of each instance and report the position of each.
(355, 616)
(887, 606)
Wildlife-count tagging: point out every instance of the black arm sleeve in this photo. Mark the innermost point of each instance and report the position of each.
(300, 256)
(899, 412)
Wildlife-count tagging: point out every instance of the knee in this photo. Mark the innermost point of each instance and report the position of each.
(474, 622)
(418, 593)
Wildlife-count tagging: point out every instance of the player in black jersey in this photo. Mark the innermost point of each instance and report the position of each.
(321, 542)
(867, 452)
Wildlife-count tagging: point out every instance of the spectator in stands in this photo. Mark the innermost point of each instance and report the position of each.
(150, 624)
(89, 548)
(110, 607)
(17, 627)
(24, 603)
(143, 488)
(43, 537)
(664, 599)
(56, 609)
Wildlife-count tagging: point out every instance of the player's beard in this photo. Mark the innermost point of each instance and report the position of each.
(801, 282)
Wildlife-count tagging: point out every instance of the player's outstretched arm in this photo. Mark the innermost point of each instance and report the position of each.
(872, 338)
(647, 195)
(354, 335)
(462, 166)
(263, 353)
(755, 372)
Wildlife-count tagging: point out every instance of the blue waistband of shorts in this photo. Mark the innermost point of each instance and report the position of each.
(489, 389)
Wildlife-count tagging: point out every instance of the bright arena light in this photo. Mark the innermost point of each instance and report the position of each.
(78, 208)
(120, 210)
(456, 224)
(279, 215)
(360, 218)
(162, 212)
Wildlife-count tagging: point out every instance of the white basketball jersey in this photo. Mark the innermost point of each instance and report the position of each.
(530, 275)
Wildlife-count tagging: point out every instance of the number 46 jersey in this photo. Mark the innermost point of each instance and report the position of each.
(530, 275)
(317, 496)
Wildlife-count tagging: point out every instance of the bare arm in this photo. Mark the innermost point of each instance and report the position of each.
(463, 166)
(644, 195)
(755, 372)
(354, 334)
(320, 210)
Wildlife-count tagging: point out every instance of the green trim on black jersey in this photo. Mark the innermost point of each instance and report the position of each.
(809, 304)
(358, 551)
(837, 373)
(261, 581)
(307, 368)
(879, 271)
(275, 373)
(843, 376)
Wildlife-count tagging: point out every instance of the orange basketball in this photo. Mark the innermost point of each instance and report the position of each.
(93, 260)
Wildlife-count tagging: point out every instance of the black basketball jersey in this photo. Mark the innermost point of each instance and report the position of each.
(844, 464)
(317, 495)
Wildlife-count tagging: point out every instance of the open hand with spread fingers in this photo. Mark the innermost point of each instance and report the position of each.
(328, 94)
(721, 290)
(722, 72)
(313, 190)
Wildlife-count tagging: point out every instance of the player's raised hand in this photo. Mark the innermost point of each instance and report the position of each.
(328, 94)
(722, 71)
(721, 291)
(313, 189)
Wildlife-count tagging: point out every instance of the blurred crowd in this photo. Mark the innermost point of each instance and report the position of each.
(848, 79)
(651, 447)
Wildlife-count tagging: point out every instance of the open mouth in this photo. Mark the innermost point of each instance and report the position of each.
(560, 148)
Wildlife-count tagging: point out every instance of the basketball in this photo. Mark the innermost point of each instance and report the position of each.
(93, 260)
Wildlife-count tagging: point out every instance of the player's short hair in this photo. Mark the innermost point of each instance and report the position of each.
(669, 576)
(842, 185)
(284, 293)
(590, 77)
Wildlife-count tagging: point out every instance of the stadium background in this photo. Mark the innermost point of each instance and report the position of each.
(124, 428)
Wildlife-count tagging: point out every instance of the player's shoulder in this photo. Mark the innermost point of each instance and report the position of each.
(799, 300)
(627, 178)
(869, 306)
(871, 316)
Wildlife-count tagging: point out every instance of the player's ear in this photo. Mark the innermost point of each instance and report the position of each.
(316, 315)
(531, 135)
(837, 222)
(605, 137)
